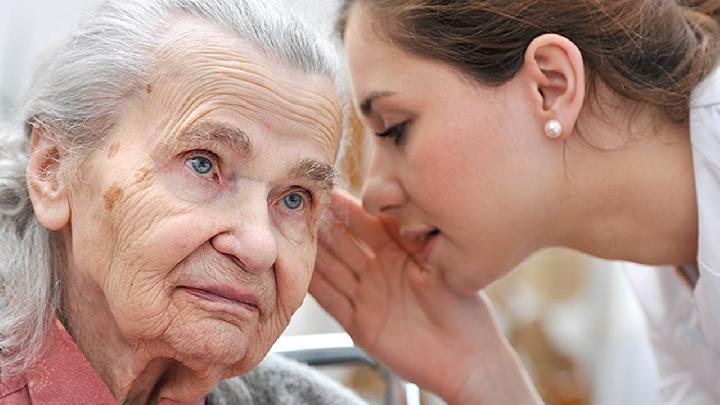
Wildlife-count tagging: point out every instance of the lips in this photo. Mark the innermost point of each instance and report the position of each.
(225, 295)
(430, 240)
(427, 237)
(421, 235)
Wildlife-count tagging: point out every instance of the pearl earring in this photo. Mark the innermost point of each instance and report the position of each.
(553, 129)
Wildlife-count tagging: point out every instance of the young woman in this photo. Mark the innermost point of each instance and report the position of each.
(504, 127)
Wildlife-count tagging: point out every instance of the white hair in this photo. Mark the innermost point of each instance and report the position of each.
(77, 95)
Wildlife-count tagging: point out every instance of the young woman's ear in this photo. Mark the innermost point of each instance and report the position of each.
(45, 181)
(556, 75)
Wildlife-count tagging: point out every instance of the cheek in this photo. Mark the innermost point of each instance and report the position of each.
(177, 179)
(469, 163)
(153, 228)
(92, 241)
(293, 273)
(441, 163)
(153, 235)
(297, 228)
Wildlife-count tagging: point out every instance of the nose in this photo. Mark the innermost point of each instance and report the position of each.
(382, 191)
(250, 239)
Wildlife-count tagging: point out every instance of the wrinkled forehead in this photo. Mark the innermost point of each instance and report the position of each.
(202, 69)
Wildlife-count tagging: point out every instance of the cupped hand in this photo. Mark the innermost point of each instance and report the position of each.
(399, 310)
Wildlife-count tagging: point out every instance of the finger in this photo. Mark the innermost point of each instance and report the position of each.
(335, 303)
(351, 252)
(376, 232)
(348, 210)
(343, 279)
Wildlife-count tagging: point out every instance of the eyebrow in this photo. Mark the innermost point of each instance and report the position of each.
(211, 132)
(367, 104)
(315, 171)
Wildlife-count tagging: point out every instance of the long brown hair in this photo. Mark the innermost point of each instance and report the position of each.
(651, 51)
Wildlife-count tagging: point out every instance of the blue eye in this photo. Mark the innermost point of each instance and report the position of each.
(293, 201)
(200, 165)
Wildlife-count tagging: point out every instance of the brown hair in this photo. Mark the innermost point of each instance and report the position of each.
(651, 51)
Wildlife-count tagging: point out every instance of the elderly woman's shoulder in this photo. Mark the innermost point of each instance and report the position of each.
(278, 380)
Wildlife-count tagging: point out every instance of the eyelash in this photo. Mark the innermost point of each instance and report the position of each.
(396, 132)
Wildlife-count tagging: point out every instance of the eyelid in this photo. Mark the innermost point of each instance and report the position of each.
(207, 153)
(396, 132)
(386, 132)
(297, 189)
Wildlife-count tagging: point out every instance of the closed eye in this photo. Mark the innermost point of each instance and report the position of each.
(396, 132)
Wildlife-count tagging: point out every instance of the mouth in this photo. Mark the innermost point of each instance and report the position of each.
(427, 237)
(224, 295)
(430, 240)
(422, 236)
(430, 234)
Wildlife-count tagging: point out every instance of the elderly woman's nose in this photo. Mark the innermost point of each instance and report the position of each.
(382, 191)
(251, 241)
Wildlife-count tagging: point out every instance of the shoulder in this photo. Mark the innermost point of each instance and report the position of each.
(14, 390)
(278, 380)
(705, 134)
(708, 91)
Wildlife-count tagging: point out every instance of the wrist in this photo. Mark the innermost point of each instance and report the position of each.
(494, 376)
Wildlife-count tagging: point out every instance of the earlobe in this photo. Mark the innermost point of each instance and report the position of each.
(45, 182)
(556, 74)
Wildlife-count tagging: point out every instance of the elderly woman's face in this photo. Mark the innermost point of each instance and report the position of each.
(195, 224)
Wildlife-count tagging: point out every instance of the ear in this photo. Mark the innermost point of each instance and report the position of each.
(45, 181)
(556, 73)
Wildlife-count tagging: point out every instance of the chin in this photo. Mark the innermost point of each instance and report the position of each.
(460, 285)
(214, 343)
(468, 279)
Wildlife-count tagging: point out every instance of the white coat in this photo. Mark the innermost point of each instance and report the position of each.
(684, 323)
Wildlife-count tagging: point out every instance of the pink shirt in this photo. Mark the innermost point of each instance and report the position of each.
(62, 375)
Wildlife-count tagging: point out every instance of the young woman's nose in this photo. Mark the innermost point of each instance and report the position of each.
(250, 239)
(382, 191)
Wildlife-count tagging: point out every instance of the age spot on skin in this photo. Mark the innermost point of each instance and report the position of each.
(144, 177)
(112, 196)
(113, 150)
(148, 88)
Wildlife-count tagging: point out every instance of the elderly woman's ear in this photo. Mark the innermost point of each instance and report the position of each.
(46, 184)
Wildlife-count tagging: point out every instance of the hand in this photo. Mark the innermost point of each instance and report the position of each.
(399, 310)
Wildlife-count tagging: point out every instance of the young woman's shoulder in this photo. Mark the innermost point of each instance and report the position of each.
(708, 91)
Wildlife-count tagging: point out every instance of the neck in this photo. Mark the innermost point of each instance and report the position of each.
(631, 196)
(130, 372)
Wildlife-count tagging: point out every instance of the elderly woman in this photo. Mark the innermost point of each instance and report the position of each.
(159, 210)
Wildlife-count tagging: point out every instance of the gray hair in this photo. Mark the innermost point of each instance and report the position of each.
(76, 96)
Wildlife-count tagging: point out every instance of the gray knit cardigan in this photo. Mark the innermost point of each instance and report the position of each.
(278, 380)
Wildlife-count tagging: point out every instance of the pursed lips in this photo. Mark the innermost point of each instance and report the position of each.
(226, 294)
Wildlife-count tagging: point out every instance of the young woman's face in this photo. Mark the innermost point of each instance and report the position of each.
(464, 166)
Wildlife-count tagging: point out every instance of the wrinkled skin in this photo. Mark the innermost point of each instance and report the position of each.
(177, 201)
